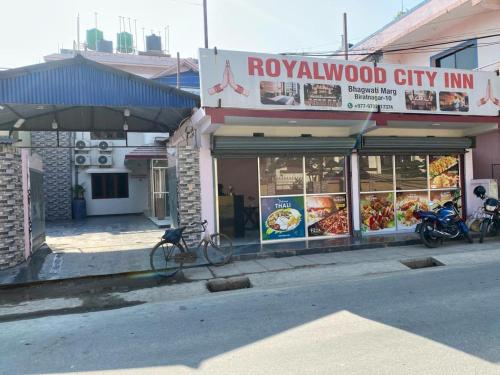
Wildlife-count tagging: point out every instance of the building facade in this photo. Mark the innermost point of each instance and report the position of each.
(296, 148)
(463, 35)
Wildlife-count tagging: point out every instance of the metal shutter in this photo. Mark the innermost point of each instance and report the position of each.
(255, 146)
(412, 145)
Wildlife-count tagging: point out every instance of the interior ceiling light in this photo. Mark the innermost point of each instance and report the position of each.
(435, 124)
(40, 107)
(125, 126)
(292, 121)
(2, 107)
(19, 123)
(54, 124)
(126, 112)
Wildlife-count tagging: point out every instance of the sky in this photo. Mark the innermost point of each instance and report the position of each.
(31, 29)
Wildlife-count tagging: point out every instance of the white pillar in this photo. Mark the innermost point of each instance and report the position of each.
(355, 192)
(469, 176)
(207, 183)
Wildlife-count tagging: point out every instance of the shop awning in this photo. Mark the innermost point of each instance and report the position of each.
(147, 153)
(255, 146)
(81, 95)
(412, 145)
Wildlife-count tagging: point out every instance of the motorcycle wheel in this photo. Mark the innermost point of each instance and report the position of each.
(468, 237)
(485, 225)
(427, 239)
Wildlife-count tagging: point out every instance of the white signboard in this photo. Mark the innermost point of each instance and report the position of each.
(263, 81)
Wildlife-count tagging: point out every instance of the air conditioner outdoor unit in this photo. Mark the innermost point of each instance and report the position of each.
(104, 160)
(82, 160)
(82, 145)
(105, 146)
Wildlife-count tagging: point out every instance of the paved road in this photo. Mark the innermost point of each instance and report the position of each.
(442, 320)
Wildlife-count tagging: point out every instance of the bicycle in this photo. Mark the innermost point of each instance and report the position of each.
(169, 255)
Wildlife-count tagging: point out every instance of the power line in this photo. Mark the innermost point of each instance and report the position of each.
(375, 50)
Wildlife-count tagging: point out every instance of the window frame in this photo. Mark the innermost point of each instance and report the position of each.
(117, 135)
(103, 186)
(434, 60)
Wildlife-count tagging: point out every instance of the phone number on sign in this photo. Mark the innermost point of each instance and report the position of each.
(372, 106)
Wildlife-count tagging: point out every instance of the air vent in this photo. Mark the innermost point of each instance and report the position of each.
(105, 146)
(104, 160)
(82, 160)
(82, 145)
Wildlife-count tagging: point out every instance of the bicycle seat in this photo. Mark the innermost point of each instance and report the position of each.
(173, 235)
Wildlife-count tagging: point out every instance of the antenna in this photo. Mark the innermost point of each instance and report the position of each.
(143, 40)
(135, 29)
(78, 32)
(130, 31)
(167, 39)
(120, 34)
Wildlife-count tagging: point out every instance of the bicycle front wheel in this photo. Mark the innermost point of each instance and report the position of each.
(163, 259)
(219, 250)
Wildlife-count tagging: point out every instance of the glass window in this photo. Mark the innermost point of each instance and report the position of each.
(281, 176)
(325, 174)
(465, 58)
(411, 172)
(107, 135)
(376, 173)
(444, 171)
(109, 185)
(446, 62)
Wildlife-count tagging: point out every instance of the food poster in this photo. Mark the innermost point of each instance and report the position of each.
(444, 172)
(327, 215)
(282, 218)
(377, 212)
(443, 196)
(406, 203)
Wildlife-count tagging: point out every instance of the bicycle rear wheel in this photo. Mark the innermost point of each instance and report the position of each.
(219, 250)
(162, 259)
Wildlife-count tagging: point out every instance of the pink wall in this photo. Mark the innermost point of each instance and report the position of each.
(241, 174)
(487, 152)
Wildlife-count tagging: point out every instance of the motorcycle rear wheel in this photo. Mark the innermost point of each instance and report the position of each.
(488, 228)
(427, 239)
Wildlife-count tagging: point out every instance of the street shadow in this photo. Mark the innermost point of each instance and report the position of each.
(190, 332)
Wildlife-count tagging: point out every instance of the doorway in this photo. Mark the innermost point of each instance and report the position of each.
(238, 199)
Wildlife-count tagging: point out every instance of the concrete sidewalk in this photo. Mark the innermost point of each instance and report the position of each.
(33, 302)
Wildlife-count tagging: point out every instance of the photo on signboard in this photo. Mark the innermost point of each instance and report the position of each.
(407, 203)
(279, 93)
(377, 212)
(327, 215)
(282, 217)
(420, 100)
(322, 95)
(453, 101)
(444, 171)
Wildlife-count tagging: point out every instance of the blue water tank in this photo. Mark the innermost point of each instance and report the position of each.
(153, 43)
(105, 46)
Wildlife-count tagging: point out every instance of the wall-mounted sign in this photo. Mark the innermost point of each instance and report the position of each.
(263, 81)
(282, 218)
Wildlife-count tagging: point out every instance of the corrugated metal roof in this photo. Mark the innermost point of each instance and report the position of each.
(187, 79)
(82, 82)
(147, 152)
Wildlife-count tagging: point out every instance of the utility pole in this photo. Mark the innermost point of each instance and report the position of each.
(346, 43)
(205, 23)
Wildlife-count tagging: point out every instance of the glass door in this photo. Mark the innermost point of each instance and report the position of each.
(159, 186)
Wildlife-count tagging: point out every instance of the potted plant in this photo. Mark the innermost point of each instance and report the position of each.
(78, 205)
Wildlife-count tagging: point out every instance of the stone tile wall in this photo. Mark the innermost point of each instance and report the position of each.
(57, 176)
(189, 190)
(11, 206)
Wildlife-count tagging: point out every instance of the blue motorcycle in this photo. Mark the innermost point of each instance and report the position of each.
(443, 222)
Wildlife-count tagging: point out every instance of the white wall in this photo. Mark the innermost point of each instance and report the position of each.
(480, 24)
(138, 179)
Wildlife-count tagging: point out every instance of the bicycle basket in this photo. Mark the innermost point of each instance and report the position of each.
(172, 235)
